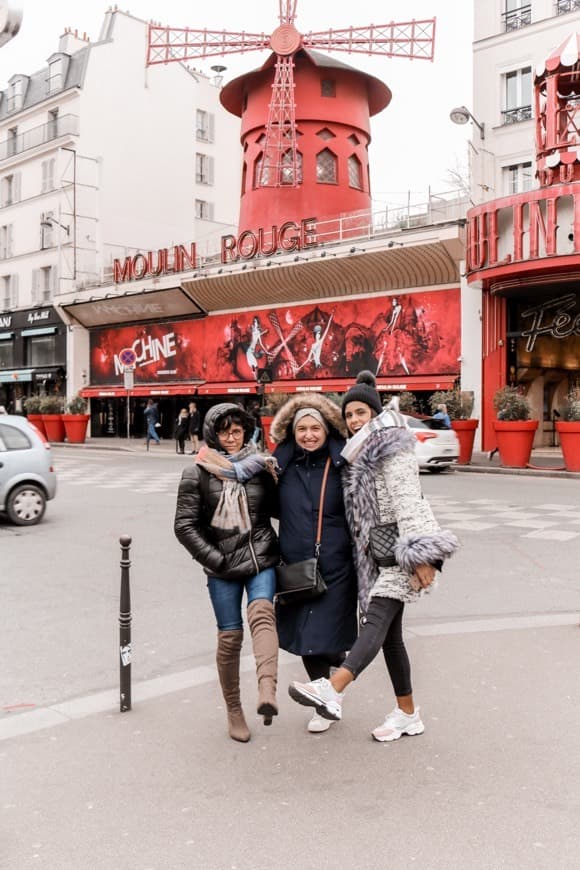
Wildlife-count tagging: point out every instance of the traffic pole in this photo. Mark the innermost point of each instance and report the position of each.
(125, 626)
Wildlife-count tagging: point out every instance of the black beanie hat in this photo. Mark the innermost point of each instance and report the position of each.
(364, 391)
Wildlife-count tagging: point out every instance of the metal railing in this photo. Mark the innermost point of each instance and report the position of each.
(564, 6)
(514, 116)
(67, 125)
(516, 18)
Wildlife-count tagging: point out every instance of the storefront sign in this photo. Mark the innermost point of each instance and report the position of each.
(165, 261)
(555, 318)
(289, 237)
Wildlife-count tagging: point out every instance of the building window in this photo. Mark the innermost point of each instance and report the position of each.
(204, 126)
(203, 169)
(9, 292)
(563, 6)
(47, 230)
(325, 134)
(288, 169)
(258, 171)
(52, 130)
(43, 284)
(47, 167)
(328, 88)
(10, 189)
(40, 350)
(518, 178)
(55, 75)
(6, 241)
(15, 94)
(203, 210)
(516, 15)
(6, 353)
(326, 167)
(354, 172)
(12, 141)
(518, 96)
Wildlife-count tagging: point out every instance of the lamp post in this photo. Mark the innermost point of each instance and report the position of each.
(461, 115)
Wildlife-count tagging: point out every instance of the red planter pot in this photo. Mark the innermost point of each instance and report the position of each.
(514, 441)
(465, 430)
(75, 427)
(54, 427)
(569, 435)
(36, 420)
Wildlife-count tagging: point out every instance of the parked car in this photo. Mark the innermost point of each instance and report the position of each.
(27, 475)
(437, 447)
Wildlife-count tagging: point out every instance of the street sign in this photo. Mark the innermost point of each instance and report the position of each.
(128, 357)
(128, 378)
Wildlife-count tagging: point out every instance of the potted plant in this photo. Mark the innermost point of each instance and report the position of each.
(568, 430)
(51, 408)
(459, 406)
(33, 413)
(407, 403)
(514, 430)
(76, 420)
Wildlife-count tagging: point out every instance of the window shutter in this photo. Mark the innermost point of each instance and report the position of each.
(9, 239)
(54, 279)
(35, 285)
(211, 127)
(210, 162)
(14, 289)
(17, 186)
(210, 211)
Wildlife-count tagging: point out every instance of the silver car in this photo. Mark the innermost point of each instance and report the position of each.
(27, 475)
(437, 447)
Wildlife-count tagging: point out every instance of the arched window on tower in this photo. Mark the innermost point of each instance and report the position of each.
(287, 168)
(258, 171)
(354, 172)
(326, 167)
(244, 176)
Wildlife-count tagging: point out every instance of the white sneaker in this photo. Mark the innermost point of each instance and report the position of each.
(317, 724)
(319, 694)
(398, 723)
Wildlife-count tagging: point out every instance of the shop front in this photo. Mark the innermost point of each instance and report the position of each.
(32, 356)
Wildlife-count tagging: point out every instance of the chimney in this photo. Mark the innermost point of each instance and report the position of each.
(72, 41)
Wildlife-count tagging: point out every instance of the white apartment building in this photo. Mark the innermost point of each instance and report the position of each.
(511, 37)
(100, 157)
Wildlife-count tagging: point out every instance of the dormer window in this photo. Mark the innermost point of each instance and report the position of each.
(15, 94)
(55, 79)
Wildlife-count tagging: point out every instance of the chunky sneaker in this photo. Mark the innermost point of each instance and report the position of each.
(319, 694)
(398, 723)
(317, 724)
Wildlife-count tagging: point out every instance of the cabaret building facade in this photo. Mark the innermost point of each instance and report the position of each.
(311, 289)
(523, 249)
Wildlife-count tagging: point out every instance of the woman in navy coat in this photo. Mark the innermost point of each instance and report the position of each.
(308, 429)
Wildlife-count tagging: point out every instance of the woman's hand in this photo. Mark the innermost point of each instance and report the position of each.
(425, 574)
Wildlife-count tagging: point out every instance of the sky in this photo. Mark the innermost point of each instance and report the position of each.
(414, 143)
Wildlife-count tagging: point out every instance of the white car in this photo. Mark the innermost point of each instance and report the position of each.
(27, 475)
(437, 447)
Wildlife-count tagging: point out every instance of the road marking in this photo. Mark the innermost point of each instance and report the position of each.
(108, 701)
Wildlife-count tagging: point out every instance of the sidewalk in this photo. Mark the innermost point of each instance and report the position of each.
(545, 461)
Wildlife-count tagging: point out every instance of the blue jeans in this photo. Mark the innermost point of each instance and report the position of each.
(152, 432)
(226, 596)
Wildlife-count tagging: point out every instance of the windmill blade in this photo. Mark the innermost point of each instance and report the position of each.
(170, 44)
(412, 39)
(279, 161)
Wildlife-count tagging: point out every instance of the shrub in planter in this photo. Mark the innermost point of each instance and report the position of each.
(568, 431)
(407, 403)
(459, 406)
(33, 412)
(514, 430)
(76, 420)
(51, 408)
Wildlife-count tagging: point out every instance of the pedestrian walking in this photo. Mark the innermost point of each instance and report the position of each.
(194, 427)
(309, 430)
(383, 497)
(151, 414)
(224, 505)
(182, 429)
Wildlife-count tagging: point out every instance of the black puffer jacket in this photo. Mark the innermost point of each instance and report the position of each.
(225, 553)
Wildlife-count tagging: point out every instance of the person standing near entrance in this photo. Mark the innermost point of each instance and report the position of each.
(182, 429)
(194, 427)
(151, 414)
(224, 504)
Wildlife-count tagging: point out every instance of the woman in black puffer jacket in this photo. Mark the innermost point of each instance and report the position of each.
(224, 505)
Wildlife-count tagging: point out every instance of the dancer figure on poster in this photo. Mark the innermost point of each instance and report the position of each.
(315, 352)
(395, 314)
(256, 347)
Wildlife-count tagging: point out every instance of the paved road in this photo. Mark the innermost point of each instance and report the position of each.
(492, 784)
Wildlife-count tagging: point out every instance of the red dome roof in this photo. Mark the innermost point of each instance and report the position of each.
(567, 54)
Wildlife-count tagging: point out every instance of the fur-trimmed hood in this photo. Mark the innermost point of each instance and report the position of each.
(281, 427)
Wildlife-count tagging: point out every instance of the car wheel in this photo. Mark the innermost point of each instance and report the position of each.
(437, 469)
(26, 504)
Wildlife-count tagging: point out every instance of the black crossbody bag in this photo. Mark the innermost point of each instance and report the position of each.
(302, 581)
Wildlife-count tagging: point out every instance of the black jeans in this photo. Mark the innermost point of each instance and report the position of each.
(319, 666)
(382, 626)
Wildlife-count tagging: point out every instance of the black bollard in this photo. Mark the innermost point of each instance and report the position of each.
(125, 625)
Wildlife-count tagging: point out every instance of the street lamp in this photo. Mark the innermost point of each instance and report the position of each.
(49, 221)
(461, 115)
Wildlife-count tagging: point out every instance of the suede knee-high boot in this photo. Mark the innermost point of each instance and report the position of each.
(228, 666)
(262, 622)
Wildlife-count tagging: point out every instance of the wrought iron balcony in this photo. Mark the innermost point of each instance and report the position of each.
(516, 18)
(67, 125)
(514, 116)
(564, 6)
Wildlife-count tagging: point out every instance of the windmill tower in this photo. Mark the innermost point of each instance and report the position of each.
(305, 117)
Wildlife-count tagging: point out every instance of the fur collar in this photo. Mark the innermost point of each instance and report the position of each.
(281, 427)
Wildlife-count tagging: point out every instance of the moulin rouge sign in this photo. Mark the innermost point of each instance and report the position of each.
(288, 237)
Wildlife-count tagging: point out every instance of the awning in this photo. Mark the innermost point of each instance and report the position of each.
(341, 385)
(134, 307)
(185, 389)
(15, 375)
(228, 388)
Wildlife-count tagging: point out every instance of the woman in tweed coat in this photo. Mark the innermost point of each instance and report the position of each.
(382, 486)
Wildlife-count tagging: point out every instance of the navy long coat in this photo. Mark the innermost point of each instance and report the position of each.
(326, 625)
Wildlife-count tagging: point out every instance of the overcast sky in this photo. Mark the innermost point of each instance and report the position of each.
(414, 142)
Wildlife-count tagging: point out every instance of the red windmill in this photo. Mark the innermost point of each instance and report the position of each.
(278, 163)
